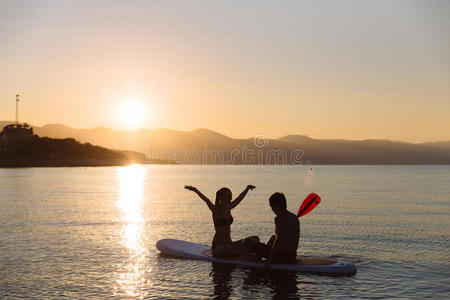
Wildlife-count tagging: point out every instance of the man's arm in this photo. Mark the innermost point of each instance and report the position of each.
(280, 238)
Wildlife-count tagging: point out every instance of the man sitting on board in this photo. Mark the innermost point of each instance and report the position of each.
(281, 247)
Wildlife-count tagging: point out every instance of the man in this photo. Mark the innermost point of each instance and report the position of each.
(281, 247)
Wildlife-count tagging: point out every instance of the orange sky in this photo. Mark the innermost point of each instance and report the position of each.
(327, 69)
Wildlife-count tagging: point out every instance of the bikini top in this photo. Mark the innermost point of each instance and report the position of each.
(223, 222)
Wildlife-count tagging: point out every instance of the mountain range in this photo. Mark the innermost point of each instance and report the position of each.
(203, 146)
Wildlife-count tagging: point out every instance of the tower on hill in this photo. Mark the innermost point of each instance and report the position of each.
(15, 133)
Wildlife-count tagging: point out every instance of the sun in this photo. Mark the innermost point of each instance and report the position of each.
(132, 114)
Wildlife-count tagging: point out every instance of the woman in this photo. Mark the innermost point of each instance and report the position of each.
(222, 246)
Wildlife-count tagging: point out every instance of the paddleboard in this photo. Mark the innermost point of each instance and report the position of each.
(189, 250)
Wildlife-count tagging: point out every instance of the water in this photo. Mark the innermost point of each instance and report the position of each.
(91, 232)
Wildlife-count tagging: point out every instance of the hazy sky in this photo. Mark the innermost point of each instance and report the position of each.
(327, 69)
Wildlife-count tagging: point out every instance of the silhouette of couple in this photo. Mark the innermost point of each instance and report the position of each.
(281, 247)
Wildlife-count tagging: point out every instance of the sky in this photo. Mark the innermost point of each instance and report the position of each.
(327, 69)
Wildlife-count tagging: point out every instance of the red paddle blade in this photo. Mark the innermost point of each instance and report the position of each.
(308, 204)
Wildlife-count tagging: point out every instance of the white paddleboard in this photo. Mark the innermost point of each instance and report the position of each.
(184, 249)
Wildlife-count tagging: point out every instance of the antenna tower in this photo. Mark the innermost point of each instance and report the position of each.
(17, 109)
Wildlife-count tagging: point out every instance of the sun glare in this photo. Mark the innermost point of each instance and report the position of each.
(131, 274)
(132, 114)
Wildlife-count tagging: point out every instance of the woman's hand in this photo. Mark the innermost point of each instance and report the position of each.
(190, 188)
(203, 197)
(238, 200)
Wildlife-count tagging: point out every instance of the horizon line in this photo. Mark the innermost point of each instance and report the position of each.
(237, 138)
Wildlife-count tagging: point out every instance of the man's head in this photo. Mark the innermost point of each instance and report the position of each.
(278, 202)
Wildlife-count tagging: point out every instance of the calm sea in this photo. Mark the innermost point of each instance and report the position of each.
(91, 232)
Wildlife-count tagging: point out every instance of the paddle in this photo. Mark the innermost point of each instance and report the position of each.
(308, 204)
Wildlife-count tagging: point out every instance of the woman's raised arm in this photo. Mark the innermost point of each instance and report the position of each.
(238, 200)
(204, 198)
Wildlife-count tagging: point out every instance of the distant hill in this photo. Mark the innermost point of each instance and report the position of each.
(203, 146)
(372, 151)
(19, 147)
(39, 152)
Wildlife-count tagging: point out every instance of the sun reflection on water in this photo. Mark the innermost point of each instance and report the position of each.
(131, 277)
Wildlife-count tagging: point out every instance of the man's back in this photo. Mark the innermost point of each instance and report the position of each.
(288, 232)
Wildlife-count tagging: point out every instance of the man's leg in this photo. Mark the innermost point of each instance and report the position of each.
(255, 247)
(271, 241)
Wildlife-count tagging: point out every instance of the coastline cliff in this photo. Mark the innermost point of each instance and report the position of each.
(19, 147)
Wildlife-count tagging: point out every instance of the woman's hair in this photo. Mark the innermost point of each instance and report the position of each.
(223, 196)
